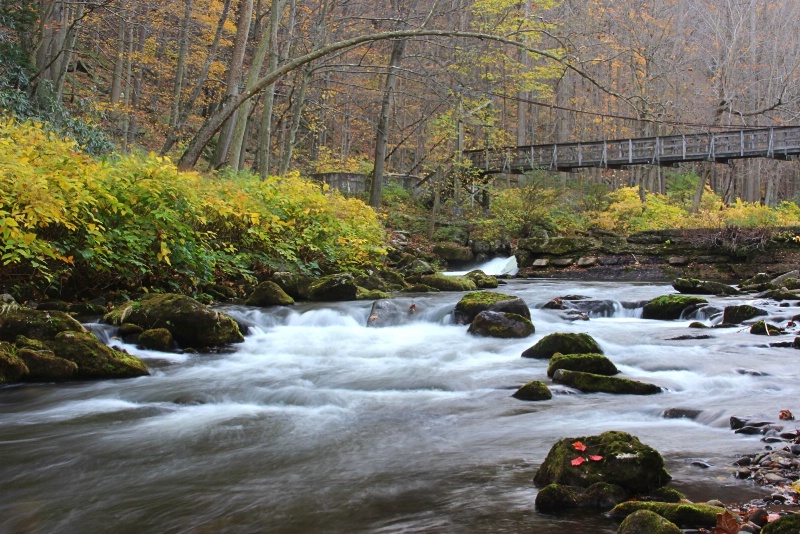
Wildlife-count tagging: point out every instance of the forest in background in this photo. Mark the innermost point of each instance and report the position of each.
(153, 74)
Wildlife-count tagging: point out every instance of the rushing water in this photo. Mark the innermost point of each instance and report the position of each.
(317, 423)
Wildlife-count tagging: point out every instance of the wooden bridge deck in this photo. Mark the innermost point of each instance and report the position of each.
(776, 143)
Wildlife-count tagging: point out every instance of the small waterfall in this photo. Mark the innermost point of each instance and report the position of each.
(495, 267)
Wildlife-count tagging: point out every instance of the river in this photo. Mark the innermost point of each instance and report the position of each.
(317, 423)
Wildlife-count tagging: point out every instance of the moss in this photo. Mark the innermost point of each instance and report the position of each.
(336, 287)
(501, 325)
(159, 339)
(788, 524)
(684, 515)
(420, 288)
(647, 522)
(371, 294)
(666, 494)
(28, 343)
(482, 280)
(624, 461)
(587, 363)
(448, 283)
(670, 307)
(295, 285)
(739, 314)
(762, 328)
(34, 324)
(269, 294)
(12, 368)
(533, 391)
(45, 366)
(555, 498)
(604, 495)
(565, 343)
(476, 302)
(697, 324)
(593, 383)
(94, 359)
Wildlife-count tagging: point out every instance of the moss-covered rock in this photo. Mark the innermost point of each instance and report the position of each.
(45, 366)
(558, 246)
(604, 495)
(12, 368)
(192, 324)
(592, 383)
(448, 283)
(739, 314)
(684, 515)
(23, 342)
(371, 294)
(452, 252)
(294, 284)
(482, 280)
(533, 391)
(563, 342)
(269, 293)
(501, 324)
(587, 363)
(417, 268)
(693, 286)
(670, 307)
(420, 288)
(556, 498)
(129, 332)
(780, 294)
(336, 287)
(35, 324)
(763, 328)
(94, 359)
(759, 282)
(788, 524)
(393, 280)
(159, 339)
(665, 494)
(476, 302)
(647, 522)
(612, 457)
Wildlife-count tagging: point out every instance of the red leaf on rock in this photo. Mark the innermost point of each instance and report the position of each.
(579, 460)
(595, 458)
(727, 523)
(579, 446)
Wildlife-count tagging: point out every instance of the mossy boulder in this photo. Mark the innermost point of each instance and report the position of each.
(269, 293)
(741, 313)
(420, 288)
(563, 342)
(647, 522)
(23, 342)
(159, 339)
(763, 328)
(129, 332)
(192, 324)
(587, 363)
(476, 302)
(45, 366)
(336, 287)
(759, 282)
(623, 461)
(592, 383)
(693, 286)
(670, 307)
(501, 324)
(482, 280)
(684, 515)
(788, 524)
(533, 391)
(557, 498)
(12, 368)
(293, 284)
(371, 294)
(558, 246)
(452, 252)
(35, 324)
(604, 495)
(95, 359)
(448, 283)
(417, 268)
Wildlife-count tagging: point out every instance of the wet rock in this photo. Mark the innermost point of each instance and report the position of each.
(762, 328)
(94, 359)
(482, 280)
(555, 498)
(647, 522)
(788, 524)
(452, 252)
(693, 286)
(333, 288)
(604, 496)
(623, 460)
(448, 283)
(697, 324)
(269, 293)
(129, 332)
(683, 515)
(533, 391)
(587, 363)
(192, 324)
(45, 366)
(680, 413)
(501, 325)
(371, 294)
(159, 339)
(35, 324)
(418, 267)
(12, 368)
(592, 383)
(293, 284)
(476, 302)
(670, 307)
(565, 343)
(741, 313)
(689, 337)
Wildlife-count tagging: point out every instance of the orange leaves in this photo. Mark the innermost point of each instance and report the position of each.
(580, 447)
(578, 461)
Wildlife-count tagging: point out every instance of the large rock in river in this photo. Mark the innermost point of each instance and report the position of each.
(693, 286)
(565, 343)
(269, 293)
(501, 324)
(95, 359)
(192, 324)
(335, 287)
(612, 457)
(670, 307)
(475, 302)
(35, 324)
(448, 283)
(592, 383)
(647, 522)
(740, 314)
(587, 363)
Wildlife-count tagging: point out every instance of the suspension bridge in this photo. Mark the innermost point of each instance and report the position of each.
(775, 143)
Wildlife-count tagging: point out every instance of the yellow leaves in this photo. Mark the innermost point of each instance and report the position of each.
(164, 252)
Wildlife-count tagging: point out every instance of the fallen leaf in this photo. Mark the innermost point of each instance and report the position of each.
(595, 458)
(579, 460)
(579, 446)
(727, 523)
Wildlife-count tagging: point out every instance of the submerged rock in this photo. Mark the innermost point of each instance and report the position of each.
(612, 457)
(592, 383)
(670, 307)
(563, 342)
(501, 324)
(533, 391)
(588, 363)
(476, 302)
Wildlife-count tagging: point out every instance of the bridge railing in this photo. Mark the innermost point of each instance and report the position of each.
(776, 142)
